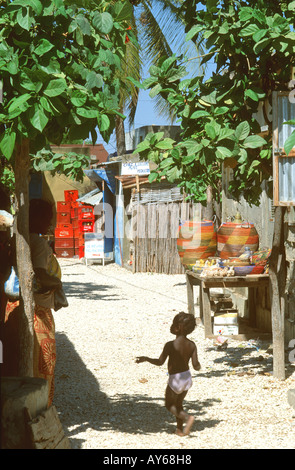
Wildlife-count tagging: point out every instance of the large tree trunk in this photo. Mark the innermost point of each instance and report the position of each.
(209, 210)
(277, 275)
(120, 135)
(23, 258)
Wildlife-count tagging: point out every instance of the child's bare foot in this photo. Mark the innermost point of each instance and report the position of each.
(188, 425)
(178, 432)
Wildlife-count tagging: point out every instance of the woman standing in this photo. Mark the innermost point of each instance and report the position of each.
(47, 281)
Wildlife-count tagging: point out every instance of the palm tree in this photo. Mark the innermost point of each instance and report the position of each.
(159, 30)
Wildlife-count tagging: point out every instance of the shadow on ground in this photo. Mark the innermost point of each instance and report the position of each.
(91, 290)
(82, 404)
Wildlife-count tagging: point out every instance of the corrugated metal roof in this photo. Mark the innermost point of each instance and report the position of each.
(283, 165)
(92, 198)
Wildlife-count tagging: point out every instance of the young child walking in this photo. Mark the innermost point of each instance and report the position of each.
(179, 353)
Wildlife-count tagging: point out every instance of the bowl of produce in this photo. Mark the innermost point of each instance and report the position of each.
(243, 270)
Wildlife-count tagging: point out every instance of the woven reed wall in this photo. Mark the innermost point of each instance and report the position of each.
(155, 227)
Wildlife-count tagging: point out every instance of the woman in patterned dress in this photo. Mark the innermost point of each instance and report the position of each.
(48, 279)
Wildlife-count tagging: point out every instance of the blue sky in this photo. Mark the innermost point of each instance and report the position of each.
(146, 114)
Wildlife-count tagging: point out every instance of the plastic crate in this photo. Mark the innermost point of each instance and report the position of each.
(64, 252)
(86, 225)
(63, 218)
(76, 232)
(75, 204)
(84, 212)
(71, 195)
(63, 206)
(64, 231)
(81, 251)
(64, 243)
(79, 241)
(75, 223)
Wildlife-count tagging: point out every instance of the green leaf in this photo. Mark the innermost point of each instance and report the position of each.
(188, 159)
(210, 131)
(7, 143)
(225, 133)
(18, 102)
(223, 152)
(173, 174)
(259, 34)
(43, 46)
(24, 19)
(249, 30)
(84, 24)
(221, 110)
(55, 87)
(209, 99)
(198, 114)
(87, 113)
(135, 82)
(251, 94)
(165, 144)
(36, 5)
(156, 137)
(291, 6)
(167, 162)
(142, 146)
(38, 118)
(261, 45)
(242, 131)
(193, 32)
(103, 22)
(78, 98)
(245, 14)
(152, 176)
(254, 141)
(242, 156)
(123, 11)
(289, 143)
(103, 122)
(192, 147)
(155, 90)
(94, 80)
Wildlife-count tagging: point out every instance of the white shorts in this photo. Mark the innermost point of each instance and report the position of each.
(180, 382)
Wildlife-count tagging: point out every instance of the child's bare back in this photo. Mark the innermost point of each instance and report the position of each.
(179, 353)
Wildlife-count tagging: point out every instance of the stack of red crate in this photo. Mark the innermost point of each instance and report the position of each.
(64, 231)
(83, 221)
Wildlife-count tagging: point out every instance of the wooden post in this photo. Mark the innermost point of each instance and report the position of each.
(23, 258)
(277, 276)
(190, 294)
(206, 310)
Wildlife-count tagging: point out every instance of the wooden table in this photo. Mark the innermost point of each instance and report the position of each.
(205, 283)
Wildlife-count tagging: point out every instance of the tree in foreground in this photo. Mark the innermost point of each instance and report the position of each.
(58, 64)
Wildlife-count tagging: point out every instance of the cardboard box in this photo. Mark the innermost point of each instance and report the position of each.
(226, 330)
(228, 318)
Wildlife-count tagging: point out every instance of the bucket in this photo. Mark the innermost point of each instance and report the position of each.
(196, 240)
(232, 239)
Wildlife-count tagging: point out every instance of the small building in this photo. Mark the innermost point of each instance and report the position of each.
(146, 216)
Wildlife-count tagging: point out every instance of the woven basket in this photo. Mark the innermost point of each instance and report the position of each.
(196, 240)
(232, 239)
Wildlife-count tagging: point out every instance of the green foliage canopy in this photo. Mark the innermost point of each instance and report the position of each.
(58, 62)
(253, 46)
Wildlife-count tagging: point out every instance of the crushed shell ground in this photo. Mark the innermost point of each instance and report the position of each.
(107, 401)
